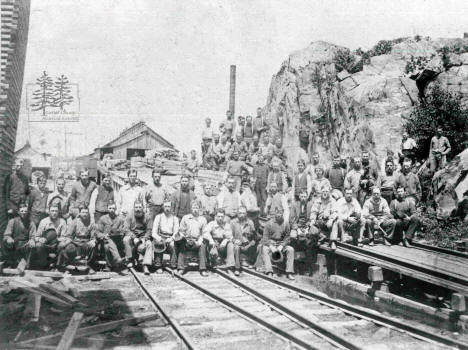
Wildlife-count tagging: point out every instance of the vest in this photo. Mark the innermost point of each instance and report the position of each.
(300, 184)
(103, 198)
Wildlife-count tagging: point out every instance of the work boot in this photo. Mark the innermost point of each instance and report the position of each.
(204, 273)
(371, 243)
(129, 265)
(237, 272)
(406, 243)
(180, 271)
(333, 245)
(159, 270)
(91, 270)
(290, 276)
(269, 274)
(146, 270)
(386, 242)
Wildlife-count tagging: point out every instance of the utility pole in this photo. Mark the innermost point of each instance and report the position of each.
(232, 91)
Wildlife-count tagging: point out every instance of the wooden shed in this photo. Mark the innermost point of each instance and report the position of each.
(133, 142)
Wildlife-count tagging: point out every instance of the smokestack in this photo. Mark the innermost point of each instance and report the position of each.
(232, 90)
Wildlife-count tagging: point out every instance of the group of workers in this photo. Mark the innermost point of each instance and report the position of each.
(262, 212)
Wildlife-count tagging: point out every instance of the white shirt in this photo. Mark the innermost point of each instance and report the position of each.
(165, 225)
(409, 143)
(127, 197)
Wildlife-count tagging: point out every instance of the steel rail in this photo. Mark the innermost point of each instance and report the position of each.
(359, 312)
(323, 332)
(286, 335)
(173, 323)
(446, 251)
(410, 265)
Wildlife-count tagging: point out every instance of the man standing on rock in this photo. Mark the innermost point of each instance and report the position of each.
(260, 173)
(411, 183)
(259, 125)
(229, 126)
(302, 181)
(440, 147)
(234, 169)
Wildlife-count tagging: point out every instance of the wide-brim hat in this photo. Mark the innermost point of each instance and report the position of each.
(159, 247)
(50, 235)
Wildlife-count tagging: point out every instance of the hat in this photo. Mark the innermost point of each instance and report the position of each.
(159, 247)
(50, 235)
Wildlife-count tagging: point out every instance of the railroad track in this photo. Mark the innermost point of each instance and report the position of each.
(431, 248)
(444, 278)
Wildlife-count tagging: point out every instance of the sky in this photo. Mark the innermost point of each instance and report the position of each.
(167, 62)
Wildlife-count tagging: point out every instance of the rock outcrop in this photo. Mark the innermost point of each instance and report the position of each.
(348, 112)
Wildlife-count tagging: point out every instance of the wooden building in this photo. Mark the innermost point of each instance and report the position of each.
(14, 26)
(133, 142)
(39, 160)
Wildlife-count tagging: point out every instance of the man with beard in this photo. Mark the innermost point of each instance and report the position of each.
(277, 176)
(323, 218)
(219, 236)
(165, 227)
(302, 181)
(376, 216)
(59, 198)
(244, 239)
(411, 183)
(182, 198)
(389, 181)
(229, 201)
(16, 188)
(81, 193)
(50, 231)
(111, 230)
(81, 240)
(301, 236)
(349, 217)
(190, 238)
(353, 178)
(260, 172)
(18, 238)
(137, 241)
(336, 176)
(155, 194)
(276, 201)
(38, 200)
(276, 238)
(102, 195)
(407, 220)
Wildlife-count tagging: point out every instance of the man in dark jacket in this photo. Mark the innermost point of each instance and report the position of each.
(16, 188)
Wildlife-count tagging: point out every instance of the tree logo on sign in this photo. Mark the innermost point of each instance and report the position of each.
(49, 93)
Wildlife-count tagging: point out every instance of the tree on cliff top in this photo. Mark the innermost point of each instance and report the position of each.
(443, 109)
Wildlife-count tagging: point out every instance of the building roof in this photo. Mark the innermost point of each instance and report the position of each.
(139, 129)
(38, 159)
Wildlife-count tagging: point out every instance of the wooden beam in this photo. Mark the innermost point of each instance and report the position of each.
(99, 328)
(69, 335)
(58, 293)
(37, 307)
(26, 286)
(44, 273)
(70, 287)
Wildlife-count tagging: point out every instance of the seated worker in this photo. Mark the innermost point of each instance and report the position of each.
(18, 239)
(376, 216)
(110, 233)
(411, 183)
(323, 218)
(165, 227)
(349, 217)
(80, 240)
(137, 241)
(229, 201)
(245, 238)
(407, 220)
(190, 238)
(319, 182)
(276, 240)
(276, 201)
(219, 236)
(302, 181)
(301, 238)
(38, 199)
(389, 181)
(51, 230)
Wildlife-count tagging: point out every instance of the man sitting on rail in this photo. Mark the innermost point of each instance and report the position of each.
(137, 241)
(110, 231)
(51, 229)
(190, 238)
(323, 218)
(165, 228)
(376, 216)
(18, 239)
(276, 241)
(301, 237)
(80, 240)
(219, 236)
(349, 217)
(403, 210)
(245, 239)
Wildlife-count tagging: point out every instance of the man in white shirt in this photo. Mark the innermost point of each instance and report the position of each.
(129, 194)
(349, 217)
(165, 227)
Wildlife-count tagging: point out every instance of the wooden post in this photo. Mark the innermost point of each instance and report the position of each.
(232, 91)
(70, 332)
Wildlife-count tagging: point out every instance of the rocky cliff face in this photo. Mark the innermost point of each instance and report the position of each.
(349, 112)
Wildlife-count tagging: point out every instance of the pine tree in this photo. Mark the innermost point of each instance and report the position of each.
(62, 92)
(43, 96)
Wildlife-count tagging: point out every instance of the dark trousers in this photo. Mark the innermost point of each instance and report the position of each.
(172, 251)
(226, 252)
(288, 251)
(40, 254)
(387, 194)
(14, 253)
(260, 191)
(111, 252)
(249, 252)
(182, 247)
(406, 227)
(76, 248)
(139, 248)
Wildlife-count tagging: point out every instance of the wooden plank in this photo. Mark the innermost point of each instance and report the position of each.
(58, 293)
(69, 335)
(26, 286)
(37, 307)
(44, 274)
(96, 329)
(70, 287)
